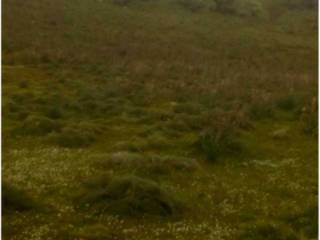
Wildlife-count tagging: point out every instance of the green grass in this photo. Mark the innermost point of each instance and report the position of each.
(125, 93)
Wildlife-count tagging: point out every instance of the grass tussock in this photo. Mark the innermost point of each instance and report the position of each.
(36, 125)
(128, 196)
(215, 144)
(77, 135)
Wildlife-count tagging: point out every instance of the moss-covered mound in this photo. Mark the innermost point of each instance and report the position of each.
(128, 196)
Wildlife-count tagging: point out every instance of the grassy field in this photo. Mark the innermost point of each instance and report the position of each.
(158, 120)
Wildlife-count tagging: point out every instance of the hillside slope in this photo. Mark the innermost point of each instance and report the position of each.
(157, 120)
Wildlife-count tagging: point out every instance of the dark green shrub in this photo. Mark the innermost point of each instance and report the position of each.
(24, 84)
(54, 112)
(14, 199)
(260, 111)
(288, 103)
(38, 126)
(127, 196)
(77, 135)
(10, 107)
(216, 142)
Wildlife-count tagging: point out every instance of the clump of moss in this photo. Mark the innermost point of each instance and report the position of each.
(14, 199)
(128, 196)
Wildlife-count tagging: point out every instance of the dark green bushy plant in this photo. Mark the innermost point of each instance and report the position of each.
(216, 142)
(38, 126)
(260, 111)
(14, 199)
(288, 103)
(127, 196)
(77, 135)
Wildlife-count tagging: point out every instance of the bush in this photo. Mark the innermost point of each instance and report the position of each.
(54, 112)
(77, 135)
(38, 126)
(260, 111)
(14, 199)
(127, 196)
(288, 103)
(216, 142)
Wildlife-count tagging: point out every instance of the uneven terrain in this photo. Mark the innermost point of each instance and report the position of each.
(156, 120)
